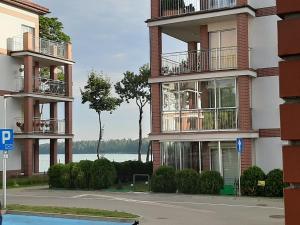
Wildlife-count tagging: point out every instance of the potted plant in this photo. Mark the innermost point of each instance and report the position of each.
(172, 7)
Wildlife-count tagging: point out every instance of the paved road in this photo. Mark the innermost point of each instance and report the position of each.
(159, 209)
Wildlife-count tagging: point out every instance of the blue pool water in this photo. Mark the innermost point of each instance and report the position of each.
(36, 220)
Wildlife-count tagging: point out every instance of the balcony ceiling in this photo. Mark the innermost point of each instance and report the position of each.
(190, 30)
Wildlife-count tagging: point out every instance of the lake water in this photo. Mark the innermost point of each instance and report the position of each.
(45, 159)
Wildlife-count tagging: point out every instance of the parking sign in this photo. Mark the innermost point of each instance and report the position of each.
(6, 139)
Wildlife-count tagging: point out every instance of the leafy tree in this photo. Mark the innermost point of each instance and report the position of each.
(98, 93)
(52, 29)
(136, 87)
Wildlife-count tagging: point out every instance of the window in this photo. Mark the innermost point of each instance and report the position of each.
(199, 105)
(28, 29)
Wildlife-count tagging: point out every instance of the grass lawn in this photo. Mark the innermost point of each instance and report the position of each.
(26, 181)
(72, 211)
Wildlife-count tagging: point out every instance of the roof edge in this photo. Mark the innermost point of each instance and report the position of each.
(29, 6)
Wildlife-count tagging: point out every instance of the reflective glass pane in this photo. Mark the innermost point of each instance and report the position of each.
(170, 97)
(188, 95)
(226, 93)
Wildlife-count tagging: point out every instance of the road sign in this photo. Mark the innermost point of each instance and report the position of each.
(6, 139)
(240, 145)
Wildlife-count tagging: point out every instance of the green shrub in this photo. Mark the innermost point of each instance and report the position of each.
(103, 174)
(274, 183)
(70, 175)
(163, 180)
(55, 174)
(249, 182)
(126, 170)
(211, 182)
(187, 181)
(84, 178)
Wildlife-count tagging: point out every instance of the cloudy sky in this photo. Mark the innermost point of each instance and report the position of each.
(108, 36)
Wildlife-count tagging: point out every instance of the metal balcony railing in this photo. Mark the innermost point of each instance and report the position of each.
(200, 61)
(178, 7)
(41, 126)
(200, 120)
(39, 45)
(44, 85)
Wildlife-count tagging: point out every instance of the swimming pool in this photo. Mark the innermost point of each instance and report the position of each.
(39, 220)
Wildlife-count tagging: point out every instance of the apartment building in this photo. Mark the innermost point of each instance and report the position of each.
(26, 92)
(224, 85)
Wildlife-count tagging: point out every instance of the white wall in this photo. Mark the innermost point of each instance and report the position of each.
(11, 25)
(14, 109)
(9, 73)
(268, 153)
(261, 3)
(263, 41)
(265, 102)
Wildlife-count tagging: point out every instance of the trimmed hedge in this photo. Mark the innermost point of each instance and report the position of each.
(104, 174)
(163, 180)
(126, 170)
(249, 181)
(274, 183)
(211, 182)
(55, 174)
(187, 181)
(95, 175)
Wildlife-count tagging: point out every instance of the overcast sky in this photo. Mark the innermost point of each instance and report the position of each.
(109, 36)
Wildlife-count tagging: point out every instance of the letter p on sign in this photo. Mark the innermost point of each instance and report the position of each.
(6, 139)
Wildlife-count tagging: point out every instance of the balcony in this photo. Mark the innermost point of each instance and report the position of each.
(179, 7)
(200, 61)
(28, 42)
(40, 126)
(200, 120)
(44, 86)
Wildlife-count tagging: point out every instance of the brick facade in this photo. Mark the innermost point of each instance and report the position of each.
(155, 9)
(242, 42)
(156, 155)
(156, 108)
(267, 11)
(267, 72)
(242, 2)
(156, 50)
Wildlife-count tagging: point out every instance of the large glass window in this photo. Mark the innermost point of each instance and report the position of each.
(199, 105)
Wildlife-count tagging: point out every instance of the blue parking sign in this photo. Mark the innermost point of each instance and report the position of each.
(6, 139)
(240, 145)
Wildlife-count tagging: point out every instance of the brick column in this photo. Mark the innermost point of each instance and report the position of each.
(28, 157)
(156, 50)
(28, 74)
(246, 158)
(288, 45)
(68, 114)
(204, 45)
(36, 155)
(156, 155)
(155, 109)
(244, 92)
(242, 42)
(192, 59)
(241, 2)
(36, 144)
(155, 9)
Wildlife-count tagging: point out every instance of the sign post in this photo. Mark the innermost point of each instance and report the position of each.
(6, 144)
(240, 148)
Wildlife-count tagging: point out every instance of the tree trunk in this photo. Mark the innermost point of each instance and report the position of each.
(140, 134)
(100, 136)
(148, 152)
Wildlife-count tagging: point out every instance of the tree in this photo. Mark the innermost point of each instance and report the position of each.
(97, 92)
(52, 29)
(136, 87)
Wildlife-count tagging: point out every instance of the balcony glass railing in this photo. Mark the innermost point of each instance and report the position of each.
(39, 45)
(178, 7)
(43, 85)
(200, 120)
(200, 61)
(41, 126)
